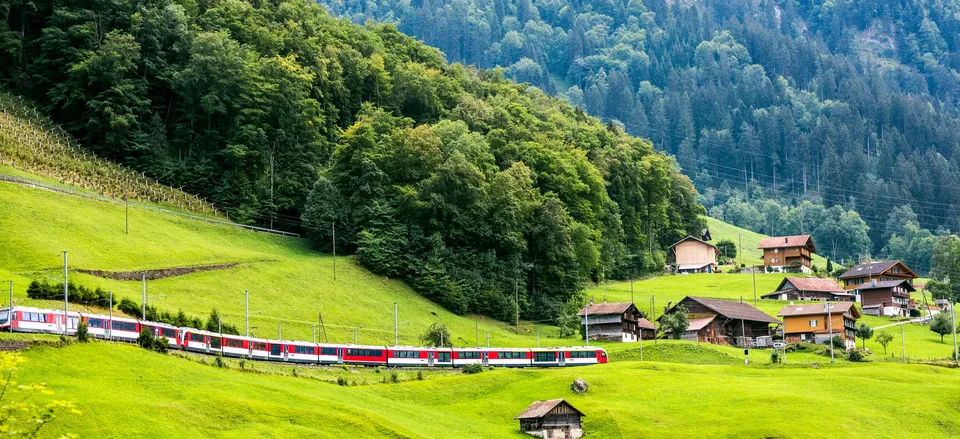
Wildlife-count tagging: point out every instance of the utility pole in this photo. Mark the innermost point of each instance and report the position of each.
(314, 330)
(110, 325)
(653, 318)
(246, 315)
(516, 298)
(641, 344)
(586, 322)
(743, 339)
(143, 294)
(903, 349)
(953, 319)
(754, 271)
(354, 335)
(10, 308)
(538, 337)
(334, 226)
(324, 328)
(488, 339)
(740, 250)
(126, 203)
(396, 326)
(476, 328)
(219, 325)
(279, 334)
(784, 343)
(441, 337)
(830, 325)
(65, 292)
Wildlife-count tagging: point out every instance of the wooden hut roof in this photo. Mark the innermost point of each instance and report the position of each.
(540, 409)
(788, 241)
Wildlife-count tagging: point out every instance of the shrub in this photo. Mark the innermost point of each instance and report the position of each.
(218, 360)
(83, 334)
(838, 342)
(472, 368)
(855, 356)
(775, 356)
(394, 377)
(145, 340)
(437, 335)
(161, 345)
(419, 375)
(341, 381)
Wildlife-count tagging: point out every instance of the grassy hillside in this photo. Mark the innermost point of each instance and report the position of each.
(746, 241)
(626, 399)
(286, 280)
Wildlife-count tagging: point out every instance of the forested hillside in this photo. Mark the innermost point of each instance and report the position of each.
(473, 187)
(836, 102)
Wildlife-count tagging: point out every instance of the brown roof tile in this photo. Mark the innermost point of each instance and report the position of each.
(870, 269)
(786, 241)
(812, 284)
(734, 310)
(818, 309)
(606, 308)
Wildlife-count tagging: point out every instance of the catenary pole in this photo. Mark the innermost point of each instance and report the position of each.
(743, 339)
(324, 328)
(110, 325)
(10, 310)
(396, 326)
(65, 292)
(246, 314)
(334, 227)
(953, 320)
(830, 325)
(143, 294)
(516, 301)
(903, 349)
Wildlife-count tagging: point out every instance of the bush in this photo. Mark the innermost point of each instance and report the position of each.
(83, 334)
(218, 360)
(855, 356)
(775, 356)
(161, 345)
(437, 335)
(838, 342)
(394, 377)
(472, 368)
(341, 381)
(419, 375)
(145, 340)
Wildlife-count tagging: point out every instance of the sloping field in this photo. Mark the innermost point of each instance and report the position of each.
(127, 392)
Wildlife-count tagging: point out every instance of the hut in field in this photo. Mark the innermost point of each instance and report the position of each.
(553, 419)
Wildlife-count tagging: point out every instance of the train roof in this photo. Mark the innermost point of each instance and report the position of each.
(42, 310)
(106, 317)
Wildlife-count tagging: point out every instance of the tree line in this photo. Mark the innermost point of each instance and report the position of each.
(850, 104)
(479, 191)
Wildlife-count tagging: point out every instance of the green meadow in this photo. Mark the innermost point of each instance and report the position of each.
(126, 392)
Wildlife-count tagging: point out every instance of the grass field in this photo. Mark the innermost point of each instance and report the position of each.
(746, 241)
(287, 281)
(125, 392)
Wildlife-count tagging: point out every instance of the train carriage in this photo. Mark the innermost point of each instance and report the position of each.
(119, 328)
(169, 332)
(27, 319)
(293, 352)
(204, 342)
(418, 356)
(463, 357)
(365, 355)
(509, 357)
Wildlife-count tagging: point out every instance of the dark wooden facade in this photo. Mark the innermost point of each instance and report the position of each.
(620, 321)
(886, 298)
(723, 322)
(881, 271)
(786, 251)
(551, 419)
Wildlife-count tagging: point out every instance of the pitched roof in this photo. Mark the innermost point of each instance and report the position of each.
(812, 284)
(645, 324)
(694, 266)
(887, 284)
(540, 409)
(699, 323)
(606, 308)
(872, 269)
(695, 239)
(732, 310)
(787, 241)
(810, 309)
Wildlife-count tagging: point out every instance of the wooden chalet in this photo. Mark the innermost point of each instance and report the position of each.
(692, 255)
(813, 322)
(787, 252)
(553, 419)
(620, 321)
(724, 322)
(880, 271)
(886, 298)
(802, 288)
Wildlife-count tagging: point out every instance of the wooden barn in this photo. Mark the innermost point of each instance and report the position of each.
(801, 288)
(788, 252)
(620, 321)
(553, 419)
(692, 255)
(724, 322)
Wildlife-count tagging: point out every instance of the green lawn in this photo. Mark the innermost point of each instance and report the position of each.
(126, 392)
(287, 281)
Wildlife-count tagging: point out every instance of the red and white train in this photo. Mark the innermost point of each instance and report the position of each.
(24, 319)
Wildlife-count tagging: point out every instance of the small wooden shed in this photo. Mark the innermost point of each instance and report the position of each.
(553, 419)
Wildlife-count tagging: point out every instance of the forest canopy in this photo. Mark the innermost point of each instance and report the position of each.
(464, 183)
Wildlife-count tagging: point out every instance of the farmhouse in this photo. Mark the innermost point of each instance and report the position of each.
(812, 323)
(724, 322)
(886, 298)
(551, 419)
(692, 255)
(880, 271)
(620, 321)
(786, 252)
(801, 288)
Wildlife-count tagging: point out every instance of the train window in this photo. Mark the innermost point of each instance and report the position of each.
(169, 332)
(124, 326)
(544, 356)
(406, 354)
(35, 317)
(603, 354)
(96, 323)
(275, 349)
(215, 342)
(258, 345)
(198, 338)
(468, 355)
(365, 352)
(583, 354)
(3, 317)
(328, 351)
(72, 322)
(232, 343)
(511, 355)
(304, 350)
(443, 357)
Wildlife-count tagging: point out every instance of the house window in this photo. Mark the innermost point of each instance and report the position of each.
(813, 323)
(776, 250)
